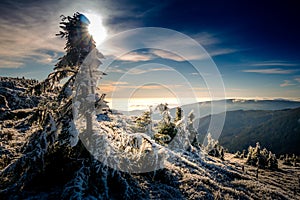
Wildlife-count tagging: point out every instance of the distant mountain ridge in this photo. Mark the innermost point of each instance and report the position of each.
(238, 104)
(205, 108)
(277, 130)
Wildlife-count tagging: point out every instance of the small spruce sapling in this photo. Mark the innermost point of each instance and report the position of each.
(166, 128)
(178, 115)
(261, 158)
(213, 147)
(144, 123)
(192, 131)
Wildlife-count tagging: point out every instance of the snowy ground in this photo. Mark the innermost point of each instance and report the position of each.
(187, 174)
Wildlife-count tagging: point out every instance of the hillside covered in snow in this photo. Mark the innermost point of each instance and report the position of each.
(36, 163)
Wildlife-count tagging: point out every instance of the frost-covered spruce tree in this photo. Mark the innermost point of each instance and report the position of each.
(181, 140)
(249, 156)
(261, 158)
(191, 129)
(166, 128)
(53, 143)
(186, 136)
(144, 123)
(213, 148)
(272, 162)
(253, 155)
(79, 45)
(178, 115)
(287, 160)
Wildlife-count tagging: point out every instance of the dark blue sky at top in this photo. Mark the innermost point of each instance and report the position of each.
(264, 36)
(272, 27)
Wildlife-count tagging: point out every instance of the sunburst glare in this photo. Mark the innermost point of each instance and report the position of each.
(96, 28)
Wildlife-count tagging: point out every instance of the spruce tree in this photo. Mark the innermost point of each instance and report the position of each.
(166, 128)
(249, 160)
(272, 162)
(143, 123)
(53, 142)
(261, 158)
(192, 131)
(178, 115)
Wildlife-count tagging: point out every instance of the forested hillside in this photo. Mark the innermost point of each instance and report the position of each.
(277, 130)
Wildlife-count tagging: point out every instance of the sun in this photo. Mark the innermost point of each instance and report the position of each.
(96, 28)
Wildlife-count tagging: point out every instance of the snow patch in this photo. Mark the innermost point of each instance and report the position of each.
(73, 134)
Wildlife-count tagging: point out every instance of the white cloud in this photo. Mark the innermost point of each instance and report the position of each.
(286, 83)
(218, 52)
(273, 63)
(163, 43)
(28, 32)
(270, 71)
(124, 88)
(194, 74)
(189, 50)
(297, 79)
(135, 57)
(10, 64)
(115, 70)
(206, 38)
(167, 55)
(120, 83)
(136, 71)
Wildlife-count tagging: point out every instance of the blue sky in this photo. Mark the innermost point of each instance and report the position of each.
(254, 44)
